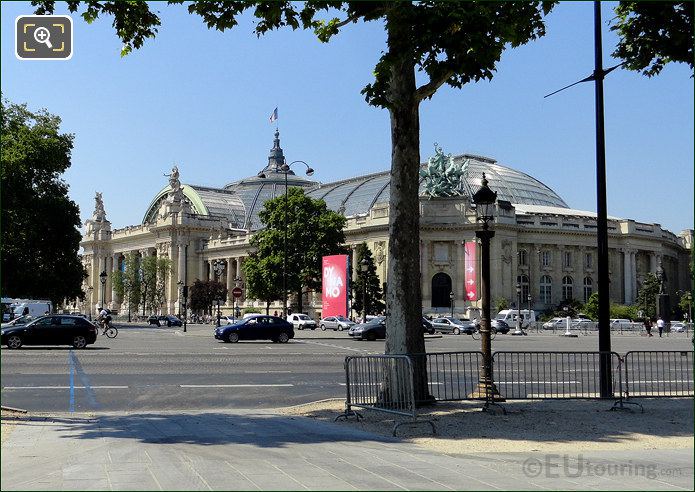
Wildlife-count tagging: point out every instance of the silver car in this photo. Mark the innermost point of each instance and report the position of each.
(336, 323)
(453, 325)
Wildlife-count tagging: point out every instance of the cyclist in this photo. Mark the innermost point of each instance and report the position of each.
(104, 319)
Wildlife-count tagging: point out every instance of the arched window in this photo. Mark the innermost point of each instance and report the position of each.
(523, 257)
(567, 288)
(588, 288)
(522, 280)
(546, 258)
(441, 288)
(546, 289)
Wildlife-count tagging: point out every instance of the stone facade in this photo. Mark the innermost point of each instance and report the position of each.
(550, 250)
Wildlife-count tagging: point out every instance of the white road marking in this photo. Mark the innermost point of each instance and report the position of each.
(334, 346)
(61, 387)
(234, 385)
(536, 382)
(659, 381)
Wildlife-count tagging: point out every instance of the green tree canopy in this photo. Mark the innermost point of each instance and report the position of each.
(653, 34)
(375, 297)
(313, 231)
(264, 277)
(646, 297)
(205, 293)
(40, 236)
(155, 271)
(126, 282)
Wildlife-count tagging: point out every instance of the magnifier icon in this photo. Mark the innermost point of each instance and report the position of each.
(43, 35)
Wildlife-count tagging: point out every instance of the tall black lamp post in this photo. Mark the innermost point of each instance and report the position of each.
(518, 331)
(451, 303)
(484, 200)
(218, 268)
(89, 290)
(364, 268)
(285, 169)
(102, 279)
(180, 284)
(237, 283)
(528, 299)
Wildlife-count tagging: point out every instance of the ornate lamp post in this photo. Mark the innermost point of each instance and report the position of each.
(451, 303)
(180, 284)
(285, 169)
(528, 299)
(89, 293)
(102, 279)
(484, 200)
(218, 268)
(364, 268)
(518, 331)
(237, 283)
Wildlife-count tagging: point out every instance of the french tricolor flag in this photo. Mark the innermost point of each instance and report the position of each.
(274, 115)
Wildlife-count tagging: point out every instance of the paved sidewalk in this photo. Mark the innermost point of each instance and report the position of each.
(252, 450)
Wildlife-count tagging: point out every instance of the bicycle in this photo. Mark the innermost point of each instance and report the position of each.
(476, 334)
(108, 329)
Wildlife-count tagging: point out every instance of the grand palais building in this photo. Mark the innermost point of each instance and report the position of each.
(539, 240)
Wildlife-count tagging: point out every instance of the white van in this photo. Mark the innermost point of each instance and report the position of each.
(32, 308)
(509, 316)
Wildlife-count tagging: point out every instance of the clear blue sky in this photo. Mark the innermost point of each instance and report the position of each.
(202, 99)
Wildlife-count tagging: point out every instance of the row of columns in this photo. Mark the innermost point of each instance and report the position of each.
(233, 269)
(630, 272)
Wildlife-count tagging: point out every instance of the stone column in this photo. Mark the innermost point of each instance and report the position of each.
(230, 282)
(633, 275)
(114, 269)
(201, 267)
(425, 274)
(652, 262)
(627, 276)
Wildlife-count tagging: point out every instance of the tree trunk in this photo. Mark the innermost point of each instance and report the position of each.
(404, 298)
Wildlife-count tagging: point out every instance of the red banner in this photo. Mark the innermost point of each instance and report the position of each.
(471, 273)
(335, 286)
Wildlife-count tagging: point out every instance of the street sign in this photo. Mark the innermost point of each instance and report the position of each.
(236, 291)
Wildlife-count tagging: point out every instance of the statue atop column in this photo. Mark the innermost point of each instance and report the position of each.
(443, 176)
(99, 212)
(176, 193)
(661, 277)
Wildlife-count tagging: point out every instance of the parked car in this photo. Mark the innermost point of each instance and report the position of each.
(679, 327)
(335, 323)
(509, 317)
(500, 326)
(621, 324)
(167, 319)
(51, 330)
(583, 324)
(371, 330)
(258, 327)
(22, 320)
(555, 324)
(456, 326)
(301, 321)
(227, 320)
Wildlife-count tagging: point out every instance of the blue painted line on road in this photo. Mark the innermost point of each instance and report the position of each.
(91, 395)
(72, 382)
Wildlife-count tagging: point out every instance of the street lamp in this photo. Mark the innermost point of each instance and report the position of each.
(518, 331)
(218, 268)
(484, 200)
(180, 284)
(90, 289)
(528, 299)
(451, 303)
(285, 169)
(364, 268)
(102, 279)
(237, 283)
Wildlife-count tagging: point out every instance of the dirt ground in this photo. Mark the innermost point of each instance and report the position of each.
(545, 426)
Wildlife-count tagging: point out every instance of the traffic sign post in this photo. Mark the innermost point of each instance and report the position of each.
(236, 292)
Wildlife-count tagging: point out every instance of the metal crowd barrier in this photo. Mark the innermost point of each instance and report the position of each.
(553, 375)
(651, 373)
(452, 376)
(383, 383)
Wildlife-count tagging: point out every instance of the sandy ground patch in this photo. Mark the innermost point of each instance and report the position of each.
(545, 426)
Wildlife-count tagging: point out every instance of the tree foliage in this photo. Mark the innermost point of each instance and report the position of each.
(374, 295)
(155, 272)
(41, 237)
(126, 282)
(205, 293)
(501, 303)
(313, 231)
(646, 297)
(591, 306)
(653, 34)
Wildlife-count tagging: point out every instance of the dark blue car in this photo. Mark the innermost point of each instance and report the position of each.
(257, 327)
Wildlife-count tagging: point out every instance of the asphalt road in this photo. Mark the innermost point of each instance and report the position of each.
(164, 369)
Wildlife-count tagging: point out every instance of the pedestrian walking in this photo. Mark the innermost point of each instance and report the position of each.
(660, 325)
(648, 326)
(275, 313)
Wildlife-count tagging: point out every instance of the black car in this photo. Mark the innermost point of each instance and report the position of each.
(376, 329)
(499, 326)
(427, 326)
(258, 327)
(168, 320)
(51, 330)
